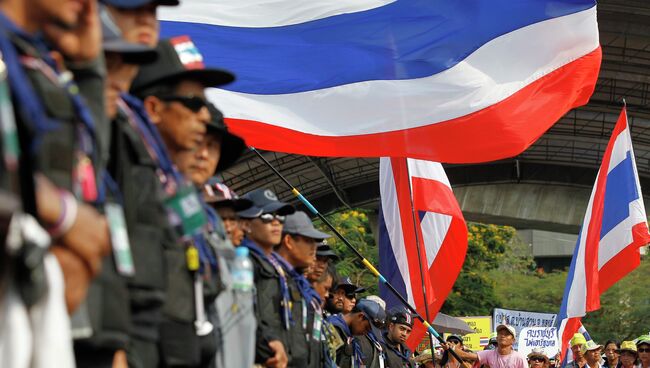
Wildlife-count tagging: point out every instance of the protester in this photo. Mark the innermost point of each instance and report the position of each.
(538, 359)
(576, 342)
(425, 359)
(447, 360)
(357, 322)
(263, 225)
(591, 352)
(643, 348)
(629, 354)
(343, 297)
(503, 357)
(400, 324)
(324, 256)
(611, 354)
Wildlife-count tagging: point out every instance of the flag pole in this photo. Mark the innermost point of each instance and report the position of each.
(417, 246)
(364, 261)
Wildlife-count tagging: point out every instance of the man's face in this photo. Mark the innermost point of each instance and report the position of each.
(576, 350)
(536, 362)
(182, 125)
(317, 269)
(137, 25)
(504, 338)
(360, 324)
(349, 301)
(627, 358)
(399, 332)
(200, 164)
(266, 234)
(337, 298)
(323, 287)
(592, 356)
(231, 224)
(303, 251)
(64, 13)
(118, 80)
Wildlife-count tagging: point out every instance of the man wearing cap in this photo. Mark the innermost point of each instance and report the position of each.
(591, 351)
(227, 203)
(324, 256)
(357, 322)
(538, 359)
(400, 324)
(425, 359)
(298, 252)
(263, 224)
(643, 348)
(577, 342)
(503, 357)
(342, 298)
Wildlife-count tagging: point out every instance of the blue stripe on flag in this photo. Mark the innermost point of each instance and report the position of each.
(620, 191)
(388, 266)
(403, 40)
(569, 280)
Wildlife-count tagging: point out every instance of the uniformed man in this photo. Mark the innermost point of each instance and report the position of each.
(343, 297)
(263, 224)
(324, 257)
(298, 248)
(227, 203)
(172, 89)
(398, 330)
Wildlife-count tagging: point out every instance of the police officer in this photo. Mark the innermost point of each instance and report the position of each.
(172, 89)
(298, 252)
(263, 224)
(398, 330)
(357, 322)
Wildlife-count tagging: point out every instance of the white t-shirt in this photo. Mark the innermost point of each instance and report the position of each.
(493, 359)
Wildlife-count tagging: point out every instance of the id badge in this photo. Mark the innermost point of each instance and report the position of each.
(318, 324)
(10, 145)
(304, 314)
(186, 204)
(119, 239)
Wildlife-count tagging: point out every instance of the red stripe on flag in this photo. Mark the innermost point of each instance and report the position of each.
(592, 242)
(626, 260)
(572, 326)
(499, 131)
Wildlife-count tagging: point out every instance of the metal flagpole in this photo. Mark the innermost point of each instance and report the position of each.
(364, 261)
(417, 245)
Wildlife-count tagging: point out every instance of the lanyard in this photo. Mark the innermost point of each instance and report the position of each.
(377, 344)
(285, 304)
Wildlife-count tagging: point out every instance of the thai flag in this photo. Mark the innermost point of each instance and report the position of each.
(440, 228)
(450, 81)
(613, 230)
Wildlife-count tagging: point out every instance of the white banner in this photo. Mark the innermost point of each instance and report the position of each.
(522, 319)
(544, 338)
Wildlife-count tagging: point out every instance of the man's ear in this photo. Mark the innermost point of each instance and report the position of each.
(154, 107)
(288, 241)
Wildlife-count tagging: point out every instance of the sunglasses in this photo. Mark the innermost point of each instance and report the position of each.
(193, 103)
(537, 359)
(267, 218)
(644, 350)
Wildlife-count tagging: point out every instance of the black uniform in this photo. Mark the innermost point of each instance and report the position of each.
(398, 355)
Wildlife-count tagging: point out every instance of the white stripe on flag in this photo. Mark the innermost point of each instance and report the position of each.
(434, 228)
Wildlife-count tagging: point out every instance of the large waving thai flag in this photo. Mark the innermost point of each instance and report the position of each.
(440, 228)
(450, 81)
(613, 230)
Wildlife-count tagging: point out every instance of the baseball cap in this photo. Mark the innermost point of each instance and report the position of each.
(232, 146)
(458, 338)
(219, 194)
(265, 201)
(510, 329)
(578, 339)
(325, 250)
(132, 4)
(346, 284)
(179, 58)
(590, 345)
(400, 316)
(299, 223)
(628, 346)
(372, 310)
(112, 41)
(643, 339)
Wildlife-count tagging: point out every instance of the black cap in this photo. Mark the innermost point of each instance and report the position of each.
(455, 337)
(219, 195)
(178, 59)
(265, 201)
(132, 4)
(112, 41)
(401, 316)
(232, 146)
(372, 310)
(325, 250)
(299, 223)
(346, 284)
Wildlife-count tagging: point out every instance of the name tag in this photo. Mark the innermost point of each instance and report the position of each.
(187, 206)
(119, 239)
